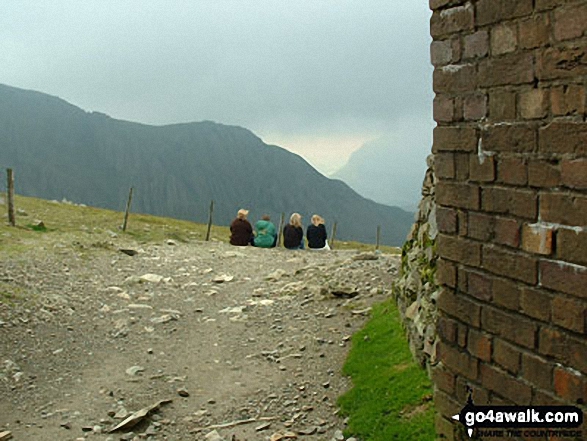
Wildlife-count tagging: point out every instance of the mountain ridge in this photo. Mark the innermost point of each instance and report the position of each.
(59, 150)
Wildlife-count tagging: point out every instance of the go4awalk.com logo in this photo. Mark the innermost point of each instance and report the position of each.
(518, 421)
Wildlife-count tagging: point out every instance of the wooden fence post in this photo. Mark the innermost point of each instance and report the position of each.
(10, 196)
(332, 236)
(378, 236)
(210, 221)
(125, 223)
(278, 244)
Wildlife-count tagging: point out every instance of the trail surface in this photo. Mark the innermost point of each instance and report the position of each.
(246, 338)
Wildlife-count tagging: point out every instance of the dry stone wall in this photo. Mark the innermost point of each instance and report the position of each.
(510, 152)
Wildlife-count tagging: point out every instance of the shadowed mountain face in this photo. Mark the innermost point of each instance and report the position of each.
(390, 170)
(60, 151)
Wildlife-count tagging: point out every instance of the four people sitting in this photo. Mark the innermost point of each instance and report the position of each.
(265, 235)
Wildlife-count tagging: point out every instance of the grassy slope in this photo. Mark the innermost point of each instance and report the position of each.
(391, 397)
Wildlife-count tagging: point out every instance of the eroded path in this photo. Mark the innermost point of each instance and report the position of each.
(228, 334)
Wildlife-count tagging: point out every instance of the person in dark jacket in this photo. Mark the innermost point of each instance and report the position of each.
(241, 230)
(293, 233)
(316, 234)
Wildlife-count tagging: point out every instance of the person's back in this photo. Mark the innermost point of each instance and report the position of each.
(293, 233)
(241, 229)
(266, 233)
(316, 235)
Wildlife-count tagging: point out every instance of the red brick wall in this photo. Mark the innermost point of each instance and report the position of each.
(511, 159)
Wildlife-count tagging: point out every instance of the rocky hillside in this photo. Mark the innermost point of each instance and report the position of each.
(60, 151)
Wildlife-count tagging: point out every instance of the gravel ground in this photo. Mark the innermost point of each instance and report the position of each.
(247, 343)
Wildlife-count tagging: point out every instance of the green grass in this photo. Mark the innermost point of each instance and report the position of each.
(391, 397)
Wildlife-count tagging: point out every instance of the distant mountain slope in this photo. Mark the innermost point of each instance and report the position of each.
(60, 151)
(390, 170)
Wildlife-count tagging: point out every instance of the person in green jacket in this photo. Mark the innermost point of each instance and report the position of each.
(265, 233)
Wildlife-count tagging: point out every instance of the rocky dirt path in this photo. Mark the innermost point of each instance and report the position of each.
(248, 344)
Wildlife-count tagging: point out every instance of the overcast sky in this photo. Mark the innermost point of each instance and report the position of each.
(318, 77)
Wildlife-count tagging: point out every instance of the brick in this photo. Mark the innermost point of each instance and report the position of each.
(455, 78)
(441, 52)
(481, 226)
(510, 69)
(463, 223)
(445, 429)
(506, 293)
(462, 335)
(542, 5)
(437, 4)
(569, 313)
(570, 386)
(463, 387)
(536, 303)
(444, 165)
(563, 209)
(522, 203)
(503, 39)
(445, 404)
(442, 378)
(493, 11)
(513, 265)
(479, 345)
(576, 350)
(458, 195)
(534, 31)
(476, 45)
(537, 371)
(447, 329)
(564, 137)
(553, 343)
(507, 232)
(458, 361)
(460, 307)
(505, 385)
(511, 327)
(570, 22)
(479, 286)
(506, 355)
(481, 171)
(475, 107)
(544, 174)
(537, 239)
(559, 276)
(561, 62)
(574, 173)
(462, 166)
(572, 246)
(446, 273)
(449, 21)
(513, 171)
(443, 109)
(502, 106)
(542, 398)
(534, 103)
(519, 138)
(446, 220)
(568, 100)
(459, 250)
(450, 139)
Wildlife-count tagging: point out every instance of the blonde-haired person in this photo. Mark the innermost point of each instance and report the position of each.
(241, 230)
(293, 233)
(316, 234)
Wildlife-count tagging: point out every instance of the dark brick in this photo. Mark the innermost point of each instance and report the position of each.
(559, 276)
(457, 195)
(446, 273)
(445, 404)
(543, 173)
(562, 62)
(481, 171)
(442, 378)
(444, 165)
(462, 166)
(510, 69)
(441, 52)
(520, 138)
(449, 21)
(460, 307)
(536, 303)
(568, 99)
(569, 313)
(508, 264)
(564, 137)
(450, 139)
(480, 226)
(479, 345)
(570, 22)
(554, 343)
(479, 286)
(476, 45)
(534, 31)
(572, 246)
(512, 171)
(506, 355)
(511, 327)
(458, 361)
(446, 220)
(574, 173)
(502, 105)
(506, 293)
(464, 386)
(455, 78)
(505, 385)
(459, 250)
(522, 203)
(447, 329)
(563, 209)
(537, 371)
(507, 232)
(493, 11)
